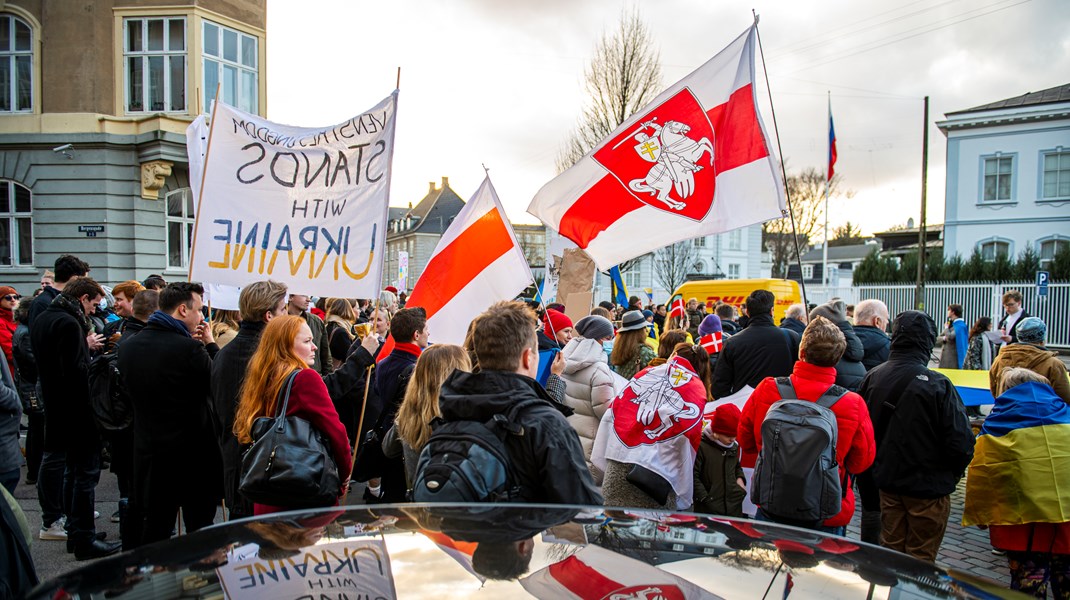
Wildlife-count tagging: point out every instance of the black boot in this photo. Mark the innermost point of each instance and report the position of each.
(871, 527)
(95, 549)
(100, 535)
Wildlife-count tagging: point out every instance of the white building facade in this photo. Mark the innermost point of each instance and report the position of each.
(1008, 176)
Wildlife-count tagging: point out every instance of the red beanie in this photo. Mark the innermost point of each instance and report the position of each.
(556, 321)
(726, 420)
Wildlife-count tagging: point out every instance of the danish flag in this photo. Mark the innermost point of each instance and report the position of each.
(677, 308)
(711, 342)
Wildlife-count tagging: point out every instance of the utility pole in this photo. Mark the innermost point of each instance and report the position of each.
(919, 291)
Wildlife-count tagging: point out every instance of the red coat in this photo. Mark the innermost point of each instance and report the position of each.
(7, 331)
(1032, 537)
(310, 401)
(855, 448)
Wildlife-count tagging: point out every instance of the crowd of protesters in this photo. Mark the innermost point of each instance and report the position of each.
(708, 381)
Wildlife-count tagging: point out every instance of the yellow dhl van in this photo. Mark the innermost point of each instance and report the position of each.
(735, 292)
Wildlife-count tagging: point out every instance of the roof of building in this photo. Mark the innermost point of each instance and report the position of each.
(840, 253)
(1059, 93)
(434, 212)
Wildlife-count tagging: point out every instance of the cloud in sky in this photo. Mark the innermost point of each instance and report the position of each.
(501, 83)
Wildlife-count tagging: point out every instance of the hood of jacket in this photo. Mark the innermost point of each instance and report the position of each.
(480, 396)
(913, 336)
(581, 353)
(1026, 355)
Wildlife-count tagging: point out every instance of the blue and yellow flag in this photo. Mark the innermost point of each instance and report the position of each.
(971, 385)
(620, 293)
(1020, 471)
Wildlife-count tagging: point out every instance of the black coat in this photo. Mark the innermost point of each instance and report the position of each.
(392, 376)
(1014, 329)
(759, 351)
(167, 375)
(924, 440)
(58, 340)
(876, 344)
(548, 459)
(849, 369)
(793, 324)
(41, 303)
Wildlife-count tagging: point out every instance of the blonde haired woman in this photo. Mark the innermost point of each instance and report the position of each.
(286, 346)
(340, 321)
(412, 426)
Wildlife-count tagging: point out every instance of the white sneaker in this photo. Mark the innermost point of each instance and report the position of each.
(96, 515)
(55, 531)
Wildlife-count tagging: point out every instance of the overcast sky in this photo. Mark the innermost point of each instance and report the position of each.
(501, 82)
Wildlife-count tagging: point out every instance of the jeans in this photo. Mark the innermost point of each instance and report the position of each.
(79, 490)
(50, 487)
(840, 530)
(10, 480)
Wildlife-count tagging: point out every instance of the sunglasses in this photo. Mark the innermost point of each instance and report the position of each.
(12, 297)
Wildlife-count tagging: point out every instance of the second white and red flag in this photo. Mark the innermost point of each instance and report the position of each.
(695, 161)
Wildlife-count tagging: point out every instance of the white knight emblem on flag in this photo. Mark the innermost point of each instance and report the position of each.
(675, 157)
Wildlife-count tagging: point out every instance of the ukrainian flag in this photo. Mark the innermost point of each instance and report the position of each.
(971, 385)
(1020, 471)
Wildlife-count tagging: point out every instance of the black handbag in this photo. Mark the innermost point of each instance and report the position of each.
(289, 463)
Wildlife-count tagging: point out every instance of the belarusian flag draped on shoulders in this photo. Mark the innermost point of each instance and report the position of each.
(476, 263)
(693, 162)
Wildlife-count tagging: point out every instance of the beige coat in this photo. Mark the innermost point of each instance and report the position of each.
(1037, 359)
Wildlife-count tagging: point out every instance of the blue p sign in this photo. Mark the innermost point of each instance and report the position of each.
(1042, 283)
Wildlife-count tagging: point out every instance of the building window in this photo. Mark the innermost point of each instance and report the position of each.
(16, 225)
(1049, 248)
(999, 175)
(1056, 182)
(155, 56)
(735, 239)
(700, 242)
(633, 279)
(16, 65)
(179, 228)
(808, 271)
(230, 58)
(993, 248)
(733, 271)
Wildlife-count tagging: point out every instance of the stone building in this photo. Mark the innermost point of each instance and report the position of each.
(96, 98)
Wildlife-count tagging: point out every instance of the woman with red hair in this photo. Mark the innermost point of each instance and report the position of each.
(286, 346)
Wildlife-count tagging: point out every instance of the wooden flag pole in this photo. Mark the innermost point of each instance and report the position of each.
(204, 172)
(364, 404)
(783, 169)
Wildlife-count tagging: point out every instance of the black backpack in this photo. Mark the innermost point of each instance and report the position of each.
(107, 396)
(797, 476)
(467, 461)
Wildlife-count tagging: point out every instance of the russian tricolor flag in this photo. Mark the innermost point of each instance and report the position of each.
(832, 145)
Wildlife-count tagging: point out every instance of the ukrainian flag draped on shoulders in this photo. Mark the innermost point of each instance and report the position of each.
(1021, 463)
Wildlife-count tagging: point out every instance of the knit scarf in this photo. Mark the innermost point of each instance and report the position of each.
(167, 321)
(74, 307)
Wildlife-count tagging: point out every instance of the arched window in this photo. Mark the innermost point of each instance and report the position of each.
(990, 249)
(16, 64)
(16, 225)
(1047, 249)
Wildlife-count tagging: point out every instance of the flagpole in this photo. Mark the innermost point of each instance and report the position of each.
(828, 182)
(783, 169)
(204, 177)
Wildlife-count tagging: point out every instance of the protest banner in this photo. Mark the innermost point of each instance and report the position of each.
(352, 568)
(303, 206)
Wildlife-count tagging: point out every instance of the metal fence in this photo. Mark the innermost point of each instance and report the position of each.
(977, 300)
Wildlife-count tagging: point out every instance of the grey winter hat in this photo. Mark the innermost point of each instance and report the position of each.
(594, 327)
(1032, 331)
(632, 320)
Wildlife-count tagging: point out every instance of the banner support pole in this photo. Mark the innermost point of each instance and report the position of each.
(200, 192)
(783, 169)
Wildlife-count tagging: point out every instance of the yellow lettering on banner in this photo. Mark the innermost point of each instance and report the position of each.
(226, 259)
(271, 263)
(300, 259)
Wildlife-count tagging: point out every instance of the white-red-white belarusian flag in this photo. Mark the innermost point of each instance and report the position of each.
(595, 573)
(476, 263)
(693, 162)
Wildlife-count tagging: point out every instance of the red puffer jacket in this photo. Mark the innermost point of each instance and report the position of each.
(855, 448)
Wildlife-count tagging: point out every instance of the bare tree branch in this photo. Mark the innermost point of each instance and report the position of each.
(807, 192)
(672, 263)
(623, 76)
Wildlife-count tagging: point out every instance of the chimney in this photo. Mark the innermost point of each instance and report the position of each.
(431, 187)
(410, 205)
(445, 182)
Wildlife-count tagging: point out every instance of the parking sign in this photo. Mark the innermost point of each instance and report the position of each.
(1042, 283)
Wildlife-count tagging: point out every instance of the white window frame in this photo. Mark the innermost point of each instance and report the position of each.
(1062, 176)
(12, 217)
(218, 62)
(700, 242)
(633, 279)
(185, 231)
(11, 56)
(733, 271)
(807, 272)
(1055, 241)
(145, 56)
(995, 242)
(735, 239)
(999, 156)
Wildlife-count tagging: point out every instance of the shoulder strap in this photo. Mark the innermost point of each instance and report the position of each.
(832, 396)
(284, 395)
(786, 389)
(508, 421)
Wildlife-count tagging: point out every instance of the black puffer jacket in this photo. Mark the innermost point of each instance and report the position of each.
(875, 343)
(548, 458)
(924, 440)
(849, 369)
(759, 351)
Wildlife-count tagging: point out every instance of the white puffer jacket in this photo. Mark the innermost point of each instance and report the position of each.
(589, 386)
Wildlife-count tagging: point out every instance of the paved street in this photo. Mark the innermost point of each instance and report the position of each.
(964, 549)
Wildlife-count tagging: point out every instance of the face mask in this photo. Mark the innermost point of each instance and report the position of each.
(608, 346)
(103, 304)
